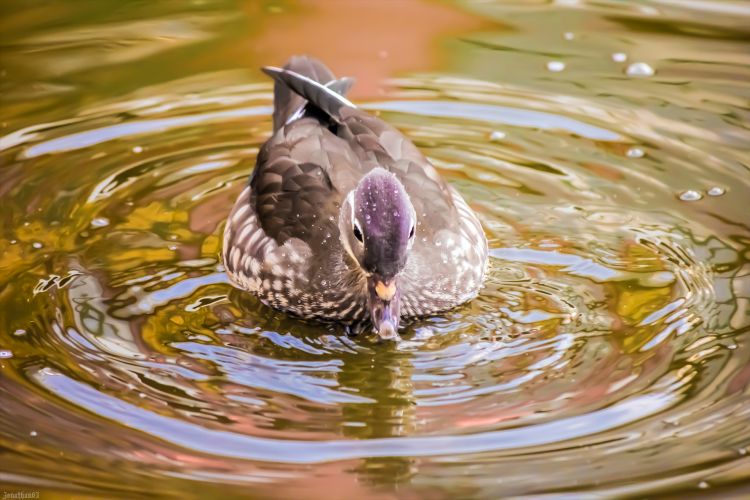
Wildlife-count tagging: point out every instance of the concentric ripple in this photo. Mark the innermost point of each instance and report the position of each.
(608, 349)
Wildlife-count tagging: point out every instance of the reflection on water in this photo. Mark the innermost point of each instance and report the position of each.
(604, 147)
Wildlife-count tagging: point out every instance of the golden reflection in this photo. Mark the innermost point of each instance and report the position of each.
(610, 341)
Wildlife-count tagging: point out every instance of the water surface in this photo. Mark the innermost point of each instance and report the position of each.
(604, 146)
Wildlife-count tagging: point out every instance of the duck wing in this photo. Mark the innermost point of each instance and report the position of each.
(375, 142)
(301, 177)
(312, 162)
(304, 170)
(287, 102)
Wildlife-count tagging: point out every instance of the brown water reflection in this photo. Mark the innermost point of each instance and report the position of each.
(607, 355)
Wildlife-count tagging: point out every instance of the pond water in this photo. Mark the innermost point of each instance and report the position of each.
(604, 146)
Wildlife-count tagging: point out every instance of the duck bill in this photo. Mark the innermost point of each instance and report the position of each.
(384, 299)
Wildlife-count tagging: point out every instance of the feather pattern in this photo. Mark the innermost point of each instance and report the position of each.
(324, 98)
(282, 239)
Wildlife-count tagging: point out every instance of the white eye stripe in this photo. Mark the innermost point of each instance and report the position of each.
(344, 231)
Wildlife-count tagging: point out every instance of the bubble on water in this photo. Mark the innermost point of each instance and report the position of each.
(619, 57)
(742, 451)
(703, 485)
(37, 245)
(5, 354)
(555, 66)
(32, 433)
(137, 149)
(100, 222)
(569, 35)
(690, 195)
(716, 191)
(497, 135)
(635, 153)
(640, 69)
(13, 242)
(20, 332)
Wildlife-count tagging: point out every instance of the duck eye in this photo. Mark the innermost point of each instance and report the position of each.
(357, 232)
(411, 232)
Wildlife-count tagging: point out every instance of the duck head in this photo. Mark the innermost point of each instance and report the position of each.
(377, 224)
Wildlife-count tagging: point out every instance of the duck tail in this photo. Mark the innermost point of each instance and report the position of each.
(304, 80)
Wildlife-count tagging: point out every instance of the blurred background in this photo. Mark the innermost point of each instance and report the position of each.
(57, 54)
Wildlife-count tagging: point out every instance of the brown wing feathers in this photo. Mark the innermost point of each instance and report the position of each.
(325, 98)
(285, 101)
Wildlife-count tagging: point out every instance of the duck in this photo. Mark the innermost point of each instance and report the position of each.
(344, 220)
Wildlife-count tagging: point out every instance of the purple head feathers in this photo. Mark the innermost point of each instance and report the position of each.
(385, 219)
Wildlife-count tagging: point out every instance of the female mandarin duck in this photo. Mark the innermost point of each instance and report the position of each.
(344, 219)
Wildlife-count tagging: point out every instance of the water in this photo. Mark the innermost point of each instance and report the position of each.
(607, 355)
